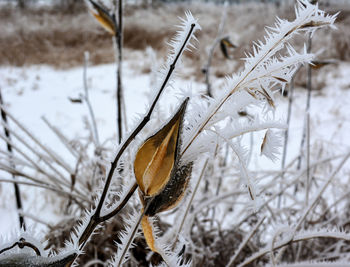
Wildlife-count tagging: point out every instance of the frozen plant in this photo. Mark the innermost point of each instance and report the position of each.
(164, 161)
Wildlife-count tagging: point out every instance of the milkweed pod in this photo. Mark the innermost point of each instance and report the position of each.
(225, 45)
(102, 16)
(161, 179)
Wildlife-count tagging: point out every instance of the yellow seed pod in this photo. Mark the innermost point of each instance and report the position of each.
(225, 45)
(103, 17)
(161, 179)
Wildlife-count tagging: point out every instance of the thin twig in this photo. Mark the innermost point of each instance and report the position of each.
(309, 88)
(39, 168)
(206, 69)
(302, 218)
(36, 152)
(286, 133)
(189, 204)
(119, 57)
(88, 103)
(62, 138)
(52, 188)
(245, 241)
(131, 238)
(9, 149)
(307, 107)
(51, 153)
(21, 244)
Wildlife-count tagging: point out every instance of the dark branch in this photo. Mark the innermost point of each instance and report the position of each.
(9, 149)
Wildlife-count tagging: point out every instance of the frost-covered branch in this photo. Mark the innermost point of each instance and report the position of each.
(96, 216)
(263, 68)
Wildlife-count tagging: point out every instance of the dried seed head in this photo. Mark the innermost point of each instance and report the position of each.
(102, 16)
(225, 45)
(162, 180)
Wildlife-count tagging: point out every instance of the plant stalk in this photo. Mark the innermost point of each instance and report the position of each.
(22, 224)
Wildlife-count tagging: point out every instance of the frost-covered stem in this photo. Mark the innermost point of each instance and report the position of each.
(286, 132)
(256, 128)
(119, 57)
(52, 188)
(96, 218)
(206, 69)
(9, 149)
(245, 241)
(34, 151)
(62, 138)
(307, 107)
(238, 85)
(309, 87)
(288, 185)
(131, 237)
(248, 181)
(57, 182)
(298, 238)
(87, 101)
(117, 209)
(51, 153)
(21, 244)
(320, 192)
(190, 201)
(308, 178)
(301, 220)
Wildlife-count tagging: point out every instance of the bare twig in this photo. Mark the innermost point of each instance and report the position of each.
(51, 153)
(74, 197)
(36, 152)
(63, 139)
(245, 241)
(21, 244)
(119, 57)
(38, 167)
(206, 69)
(302, 218)
(9, 149)
(189, 204)
(88, 103)
(286, 133)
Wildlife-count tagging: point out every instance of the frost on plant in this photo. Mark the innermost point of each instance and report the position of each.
(206, 139)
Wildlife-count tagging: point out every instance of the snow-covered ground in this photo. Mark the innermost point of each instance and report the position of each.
(32, 92)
